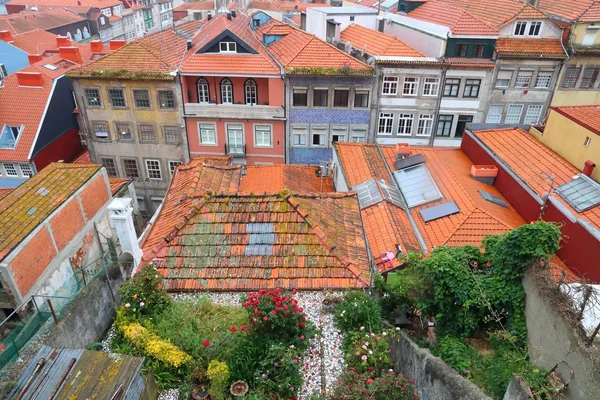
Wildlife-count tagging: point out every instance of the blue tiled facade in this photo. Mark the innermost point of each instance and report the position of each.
(329, 116)
(308, 156)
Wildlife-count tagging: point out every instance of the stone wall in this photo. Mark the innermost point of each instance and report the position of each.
(433, 378)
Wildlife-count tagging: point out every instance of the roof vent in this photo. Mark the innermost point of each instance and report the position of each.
(402, 150)
(588, 168)
(484, 173)
(31, 211)
(492, 198)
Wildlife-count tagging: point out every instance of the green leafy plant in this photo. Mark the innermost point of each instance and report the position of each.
(356, 386)
(456, 353)
(218, 373)
(358, 310)
(143, 296)
(368, 353)
(278, 372)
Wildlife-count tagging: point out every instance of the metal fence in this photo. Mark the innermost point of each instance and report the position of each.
(43, 311)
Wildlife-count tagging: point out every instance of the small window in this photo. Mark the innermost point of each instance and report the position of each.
(570, 77)
(425, 125)
(390, 85)
(503, 79)
(358, 135)
(11, 169)
(166, 99)
(352, 18)
(588, 78)
(153, 169)
(300, 97)
(543, 80)
(171, 133)
(100, 130)
(26, 170)
(494, 115)
(207, 134)
(405, 124)
(147, 132)
(431, 86)
(226, 91)
(411, 86)
(386, 120)
(361, 98)
(130, 167)
(533, 113)
(587, 142)
(9, 136)
(141, 98)
(523, 79)
(320, 97)
(227, 47)
(478, 50)
(520, 28)
(319, 136)
(117, 98)
(461, 50)
(124, 131)
(451, 87)
(251, 92)
(203, 93)
(340, 97)
(110, 165)
(173, 166)
(299, 136)
(339, 135)
(472, 88)
(444, 125)
(513, 115)
(263, 136)
(92, 96)
(534, 28)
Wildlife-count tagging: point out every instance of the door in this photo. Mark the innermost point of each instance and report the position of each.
(463, 120)
(235, 139)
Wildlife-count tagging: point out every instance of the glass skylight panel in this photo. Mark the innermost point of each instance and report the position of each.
(417, 185)
(582, 193)
(493, 198)
(439, 211)
(391, 194)
(368, 193)
(50, 67)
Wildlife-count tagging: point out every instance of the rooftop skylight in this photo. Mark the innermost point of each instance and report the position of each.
(417, 185)
(582, 193)
(374, 191)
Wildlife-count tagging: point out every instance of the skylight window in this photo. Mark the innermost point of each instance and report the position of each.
(9, 136)
(50, 67)
(439, 211)
(582, 193)
(375, 191)
(417, 185)
(228, 47)
(493, 198)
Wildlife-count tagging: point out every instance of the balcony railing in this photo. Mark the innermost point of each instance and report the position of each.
(234, 111)
(235, 150)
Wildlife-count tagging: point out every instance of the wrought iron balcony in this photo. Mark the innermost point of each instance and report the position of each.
(235, 150)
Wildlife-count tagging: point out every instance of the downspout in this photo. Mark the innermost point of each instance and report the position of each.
(375, 124)
(438, 105)
(179, 78)
(561, 66)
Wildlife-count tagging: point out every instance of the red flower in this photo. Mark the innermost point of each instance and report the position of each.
(296, 324)
(274, 312)
(242, 328)
(248, 328)
(276, 291)
(206, 343)
(369, 380)
(294, 291)
(302, 337)
(265, 319)
(303, 318)
(415, 395)
(233, 329)
(302, 325)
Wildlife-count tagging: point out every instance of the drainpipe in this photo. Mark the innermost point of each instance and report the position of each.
(378, 85)
(560, 67)
(180, 79)
(438, 104)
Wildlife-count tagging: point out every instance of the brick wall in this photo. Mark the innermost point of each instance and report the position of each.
(66, 223)
(94, 196)
(32, 260)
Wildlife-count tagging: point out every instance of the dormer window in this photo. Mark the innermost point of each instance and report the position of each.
(227, 47)
(520, 28)
(9, 136)
(534, 28)
(523, 28)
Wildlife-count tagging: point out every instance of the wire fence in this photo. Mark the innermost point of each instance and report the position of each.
(44, 311)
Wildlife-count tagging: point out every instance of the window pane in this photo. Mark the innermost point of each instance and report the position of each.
(425, 124)
(513, 115)
(124, 131)
(431, 86)
(130, 168)
(320, 97)
(251, 92)
(444, 125)
(359, 135)
(166, 99)
(93, 97)
(299, 136)
(588, 79)
(390, 85)
(318, 137)
(534, 28)
(111, 167)
(494, 114)
(11, 169)
(207, 134)
(117, 97)
(405, 122)
(451, 87)
(141, 98)
(147, 133)
(533, 114)
(172, 166)
(100, 130)
(472, 88)
(386, 120)
(300, 97)
(523, 79)
(361, 98)
(411, 86)
(203, 94)
(340, 97)
(226, 91)
(262, 136)
(171, 134)
(570, 78)
(543, 80)
(153, 169)
(503, 79)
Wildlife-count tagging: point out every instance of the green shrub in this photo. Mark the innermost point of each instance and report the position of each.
(355, 386)
(142, 296)
(368, 353)
(457, 354)
(278, 372)
(218, 373)
(356, 311)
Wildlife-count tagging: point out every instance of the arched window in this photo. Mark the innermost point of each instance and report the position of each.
(251, 92)
(226, 91)
(78, 36)
(86, 33)
(69, 35)
(203, 93)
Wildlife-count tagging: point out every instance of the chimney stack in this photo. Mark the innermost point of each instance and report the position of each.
(229, 16)
(96, 46)
(209, 16)
(588, 168)
(33, 58)
(62, 41)
(233, 13)
(189, 44)
(31, 79)
(402, 150)
(71, 53)
(117, 44)
(6, 36)
(484, 173)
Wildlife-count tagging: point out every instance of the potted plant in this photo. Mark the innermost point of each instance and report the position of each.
(238, 388)
(330, 301)
(200, 391)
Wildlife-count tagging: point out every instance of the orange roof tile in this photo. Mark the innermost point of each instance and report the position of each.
(570, 10)
(83, 158)
(591, 14)
(298, 5)
(36, 41)
(4, 192)
(29, 20)
(361, 162)
(459, 21)
(67, 3)
(274, 178)
(586, 116)
(296, 20)
(497, 13)
(377, 43)
(462, 62)
(228, 63)
(516, 148)
(196, 5)
(264, 5)
(548, 48)
(17, 220)
(116, 184)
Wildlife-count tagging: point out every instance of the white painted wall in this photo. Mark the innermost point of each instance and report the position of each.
(316, 21)
(548, 30)
(428, 38)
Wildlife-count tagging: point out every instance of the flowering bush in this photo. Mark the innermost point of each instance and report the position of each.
(357, 310)
(368, 353)
(142, 296)
(218, 373)
(278, 372)
(354, 386)
(153, 346)
(275, 315)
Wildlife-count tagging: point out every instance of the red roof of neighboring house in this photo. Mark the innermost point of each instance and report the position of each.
(591, 14)
(298, 49)
(264, 5)
(27, 21)
(296, 19)
(116, 184)
(497, 13)
(377, 43)
(298, 5)
(4, 192)
(66, 3)
(517, 148)
(566, 9)
(586, 116)
(542, 48)
(259, 63)
(274, 178)
(459, 21)
(207, 5)
(464, 62)
(83, 158)
(152, 57)
(36, 41)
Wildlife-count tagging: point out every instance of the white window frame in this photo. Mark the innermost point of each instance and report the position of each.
(523, 79)
(494, 118)
(425, 125)
(260, 130)
(431, 87)
(226, 89)
(523, 31)
(9, 129)
(26, 170)
(502, 77)
(405, 124)
(389, 85)
(532, 118)
(358, 135)
(300, 135)
(321, 131)
(543, 76)
(14, 168)
(147, 163)
(251, 92)
(205, 91)
(512, 117)
(410, 87)
(206, 126)
(340, 131)
(532, 26)
(230, 47)
(388, 125)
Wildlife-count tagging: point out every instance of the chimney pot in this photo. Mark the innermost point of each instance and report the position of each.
(229, 16)
(233, 13)
(70, 53)
(96, 46)
(32, 79)
(588, 168)
(117, 44)
(209, 16)
(402, 150)
(6, 36)
(189, 44)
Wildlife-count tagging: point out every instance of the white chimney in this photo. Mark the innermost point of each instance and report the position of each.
(121, 218)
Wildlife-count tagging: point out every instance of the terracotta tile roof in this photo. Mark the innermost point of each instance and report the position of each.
(361, 162)
(153, 57)
(67, 3)
(539, 48)
(298, 5)
(197, 178)
(245, 242)
(570, 10)
(83, 158)
(516, 148)
(196, 5)
(27, 21)
(36, 41)
(227, 63)
(365, 3)
(586, 116)
(592, 14)
(497, 13)
(4, 192)
(297, 50)
(116, 184)
(459, 21)
(461, 62)
(296, 20)
(264, 5)
(274, 178)
(61, 180)
(377, 43)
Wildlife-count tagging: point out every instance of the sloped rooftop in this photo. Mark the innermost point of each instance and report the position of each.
(377, 43)
(274, 178)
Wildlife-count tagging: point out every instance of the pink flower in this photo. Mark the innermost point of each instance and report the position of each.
(265, 318)
(362, 328)
(302, 337)
(378, 339)
(294, 291)
(142, 304)
(364, 358)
